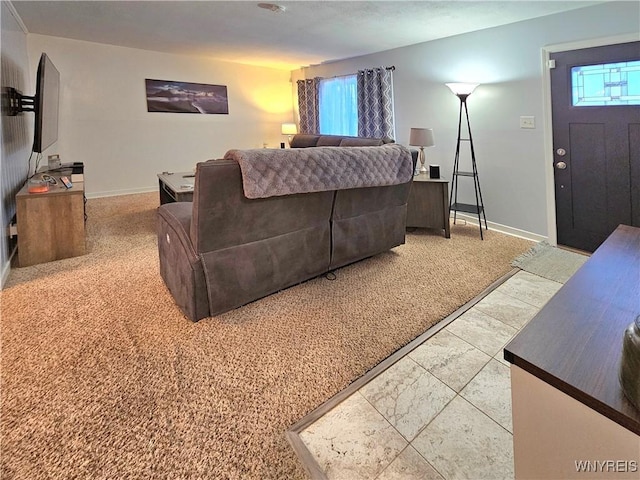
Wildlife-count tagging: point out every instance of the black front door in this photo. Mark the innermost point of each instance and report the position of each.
(596, 141)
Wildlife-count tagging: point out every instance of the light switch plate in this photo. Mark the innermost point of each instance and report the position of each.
(527, 122)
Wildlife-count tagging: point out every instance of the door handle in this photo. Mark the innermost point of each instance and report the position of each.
(561, 165)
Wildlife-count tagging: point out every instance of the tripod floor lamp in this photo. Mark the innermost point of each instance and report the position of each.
(462, 91)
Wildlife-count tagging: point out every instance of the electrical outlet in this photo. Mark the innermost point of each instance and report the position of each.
(527, 122)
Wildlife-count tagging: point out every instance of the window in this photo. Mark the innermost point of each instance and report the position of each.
(339, 106)
(606, 84)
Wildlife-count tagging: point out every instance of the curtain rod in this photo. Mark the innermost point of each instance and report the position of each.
(392, 68)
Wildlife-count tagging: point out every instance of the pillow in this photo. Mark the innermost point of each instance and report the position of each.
(329, 140)
(304, 140)
(361, 142)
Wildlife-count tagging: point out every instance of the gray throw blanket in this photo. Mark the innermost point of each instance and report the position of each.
(273, 172)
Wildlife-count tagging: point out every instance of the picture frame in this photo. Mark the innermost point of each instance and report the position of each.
(167, 96)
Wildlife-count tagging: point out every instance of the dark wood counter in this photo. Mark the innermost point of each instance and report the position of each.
(575, 342)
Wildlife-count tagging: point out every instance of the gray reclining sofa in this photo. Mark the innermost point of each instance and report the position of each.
(224, 250)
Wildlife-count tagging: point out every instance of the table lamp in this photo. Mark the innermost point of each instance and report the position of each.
(421, 137)
(289, 129)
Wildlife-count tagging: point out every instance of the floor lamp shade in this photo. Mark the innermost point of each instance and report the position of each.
(465, 89)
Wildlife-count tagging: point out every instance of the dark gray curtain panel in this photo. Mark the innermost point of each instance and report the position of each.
(375, 103)
(308, 103)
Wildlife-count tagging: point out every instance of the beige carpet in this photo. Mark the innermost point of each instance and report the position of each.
(102, 377)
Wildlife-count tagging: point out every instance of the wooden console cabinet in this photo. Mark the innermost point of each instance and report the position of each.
(50, 224)
(571, 419)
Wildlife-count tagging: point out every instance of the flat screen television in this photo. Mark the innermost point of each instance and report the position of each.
(45, 105)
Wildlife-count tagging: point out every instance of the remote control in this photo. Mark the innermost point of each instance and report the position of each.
(66, 182)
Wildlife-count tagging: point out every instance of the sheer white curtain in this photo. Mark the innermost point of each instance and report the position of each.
(339, 106)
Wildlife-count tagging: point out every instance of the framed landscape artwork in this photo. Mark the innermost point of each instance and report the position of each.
(183, 97)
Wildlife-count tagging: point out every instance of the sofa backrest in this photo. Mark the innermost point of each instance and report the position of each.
(223, 217)
(306, 140)
(367, 221)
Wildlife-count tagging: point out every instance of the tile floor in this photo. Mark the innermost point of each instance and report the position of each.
(444, 410)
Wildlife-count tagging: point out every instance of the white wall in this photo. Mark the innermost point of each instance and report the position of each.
(507, 62)
(16, 131)
(105, 124)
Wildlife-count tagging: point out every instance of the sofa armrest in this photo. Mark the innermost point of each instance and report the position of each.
(180, 266)
(177, 216)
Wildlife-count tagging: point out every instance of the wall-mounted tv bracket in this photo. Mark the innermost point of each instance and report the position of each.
(18, 103)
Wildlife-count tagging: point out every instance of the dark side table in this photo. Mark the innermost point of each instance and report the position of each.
(176, 187)
(428, 205)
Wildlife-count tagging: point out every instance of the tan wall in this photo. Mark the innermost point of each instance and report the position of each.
(104, 120)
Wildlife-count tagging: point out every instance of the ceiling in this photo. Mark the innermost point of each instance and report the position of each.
(306, 33)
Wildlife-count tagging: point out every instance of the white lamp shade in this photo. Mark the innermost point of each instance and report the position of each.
(421, 137)
(289, 129)
(462, 88)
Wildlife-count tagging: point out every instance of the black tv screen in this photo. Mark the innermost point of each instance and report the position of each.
(46, 105)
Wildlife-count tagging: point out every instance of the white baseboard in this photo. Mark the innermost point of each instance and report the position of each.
(514, 232)
(117, 193)
(6, 269)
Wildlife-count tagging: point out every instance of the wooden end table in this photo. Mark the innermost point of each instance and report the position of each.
(428, 205)
(50, 224)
